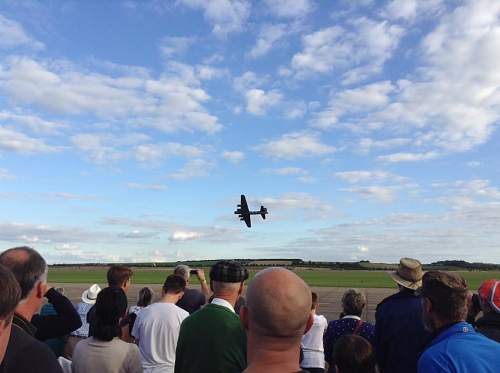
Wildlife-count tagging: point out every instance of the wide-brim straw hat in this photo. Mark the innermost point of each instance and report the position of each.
(409, 273)
(90, 295)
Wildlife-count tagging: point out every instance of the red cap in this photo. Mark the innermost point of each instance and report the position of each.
(489, 291)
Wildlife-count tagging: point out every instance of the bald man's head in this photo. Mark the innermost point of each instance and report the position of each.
(278, 303)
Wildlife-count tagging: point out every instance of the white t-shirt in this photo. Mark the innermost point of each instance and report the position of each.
(312, 344)
(157, 329)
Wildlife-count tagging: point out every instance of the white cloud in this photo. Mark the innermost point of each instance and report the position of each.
(34, 123)
(361, 175)
(295, 145)
(96, 148)
(185, 236)
(5, 174)
(307, 203)
(70, 196)
(357, 53)
(152, 153)
(226, 16)
(366, 144)
(285, 171)
(12, 35)
(233, 156)
(174, 102)
(17, 142)
(268, 36)
(289, 8)
(408, 157)
(193, 169)
(259, 101)
(411, 9)
(248, 80)
(171, 46)
(140, 186)
(368, 97)
(376, 192)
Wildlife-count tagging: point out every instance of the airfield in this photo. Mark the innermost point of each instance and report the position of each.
(329, 284)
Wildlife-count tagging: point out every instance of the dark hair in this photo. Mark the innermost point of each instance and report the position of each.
(118, 275)
(447, 292)
(354, 354)
(26, 264)
(315, 299)
(353, 302)
(174, 284)
(110, 307)
(145, 297)
(10, 294)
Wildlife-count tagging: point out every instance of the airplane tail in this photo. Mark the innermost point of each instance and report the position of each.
(263, 212)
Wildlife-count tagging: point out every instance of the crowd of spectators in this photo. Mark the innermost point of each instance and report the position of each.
(433, 323)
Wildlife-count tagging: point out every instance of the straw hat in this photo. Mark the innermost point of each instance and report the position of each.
(90, 295)
(409, 273)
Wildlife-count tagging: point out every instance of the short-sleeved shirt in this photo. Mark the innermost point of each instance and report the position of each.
(312, 344)
(157, 330)
(115, 356)
(192, 300)
(82, 309)
(26, 354)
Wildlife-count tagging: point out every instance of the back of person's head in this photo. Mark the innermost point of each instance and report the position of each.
(353, 354)
(227, 277)
(183, 270)
(27, 265)
(315, 300)
(145, 297)
(174, 285)
(489, 296)
(9, 295)
(447, 294)
(353, 302)
(110, 307)
(278, 305)
(118, 276)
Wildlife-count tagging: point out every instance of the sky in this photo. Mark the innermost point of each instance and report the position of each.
(369, 129)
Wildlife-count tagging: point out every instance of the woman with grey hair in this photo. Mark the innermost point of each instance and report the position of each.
(350, 322)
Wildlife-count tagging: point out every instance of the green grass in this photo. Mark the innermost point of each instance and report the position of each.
(317, 277)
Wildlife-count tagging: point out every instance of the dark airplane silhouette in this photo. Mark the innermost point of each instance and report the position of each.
(244, 213)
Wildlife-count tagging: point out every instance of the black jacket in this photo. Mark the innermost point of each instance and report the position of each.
(489, 325)
(53, 326)
(27, 355)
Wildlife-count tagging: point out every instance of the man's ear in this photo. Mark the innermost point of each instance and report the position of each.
(41, 289)
(310, 322)
(427, 305)
(244, 317)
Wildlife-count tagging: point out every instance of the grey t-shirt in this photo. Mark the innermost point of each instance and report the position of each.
(115, 356)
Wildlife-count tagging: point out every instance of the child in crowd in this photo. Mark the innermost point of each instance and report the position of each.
(312, 342)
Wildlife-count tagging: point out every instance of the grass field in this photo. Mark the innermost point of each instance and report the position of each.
(316, 277)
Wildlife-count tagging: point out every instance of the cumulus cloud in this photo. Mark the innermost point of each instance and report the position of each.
(268, 36)
(153, 153)
(225, 16)
(171, 46)
(12, 34)
(363, 175)
(285, 171)
(193, 169)
(408, 10)
(308, 205)
(141, 186)
(289, 8)
(233, 156)
(18, 142)
(185, 236)
(408, 157)
(174, 102)
(357, 53)
(376, 192)
(260, 101)
(295, 145)
(32, 122)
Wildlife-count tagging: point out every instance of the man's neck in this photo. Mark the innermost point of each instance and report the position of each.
(169, 298)
(231, 298)
(25, 310)
(272, 355)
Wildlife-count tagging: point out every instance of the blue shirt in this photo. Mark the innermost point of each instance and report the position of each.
(459, 349)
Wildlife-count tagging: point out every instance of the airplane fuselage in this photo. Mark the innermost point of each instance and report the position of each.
(240, 212)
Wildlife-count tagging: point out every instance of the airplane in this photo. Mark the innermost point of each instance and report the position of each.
(244, 213)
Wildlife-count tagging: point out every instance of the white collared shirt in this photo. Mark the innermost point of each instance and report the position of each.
(223, 303)
(352, 317)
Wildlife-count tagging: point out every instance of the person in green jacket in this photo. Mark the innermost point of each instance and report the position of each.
(212, 339)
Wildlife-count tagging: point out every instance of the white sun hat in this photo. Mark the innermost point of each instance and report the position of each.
(90, 295)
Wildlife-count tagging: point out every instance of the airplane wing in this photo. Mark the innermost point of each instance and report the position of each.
(247, 221)
(244, 205)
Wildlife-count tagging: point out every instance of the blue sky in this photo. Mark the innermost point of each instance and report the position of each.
(368, 128)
